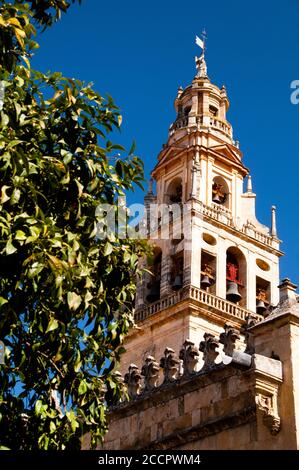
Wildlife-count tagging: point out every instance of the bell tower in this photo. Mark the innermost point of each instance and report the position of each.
(213, 261)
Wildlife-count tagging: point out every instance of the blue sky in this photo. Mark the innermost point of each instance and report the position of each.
(141, 52)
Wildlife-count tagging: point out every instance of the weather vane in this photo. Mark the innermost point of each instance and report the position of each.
(201, 65)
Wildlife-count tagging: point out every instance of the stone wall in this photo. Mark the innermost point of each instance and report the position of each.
(233, 404)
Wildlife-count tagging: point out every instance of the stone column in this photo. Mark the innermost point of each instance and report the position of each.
(221, 268)
(251, 282)
(209, 181)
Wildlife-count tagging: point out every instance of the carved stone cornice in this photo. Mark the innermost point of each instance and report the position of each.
(195, 433)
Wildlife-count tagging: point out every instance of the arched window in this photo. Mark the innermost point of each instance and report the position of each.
(177, 271)
(153, 285)
(220, 192)
(187, 110)
(174, 192)
(213, 111)
(236, 276)
(263, 295)
(208, 272)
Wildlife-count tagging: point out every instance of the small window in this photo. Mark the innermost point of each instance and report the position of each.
(187, 110)
(213, 111)
(220, 192)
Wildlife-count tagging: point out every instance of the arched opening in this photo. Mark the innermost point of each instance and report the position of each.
(208, 272)
(174, 191)
(154, 280)
(177, 271)
(220, 192)
(213, 111)
(187, 110)
(236, 277)
(263, 295)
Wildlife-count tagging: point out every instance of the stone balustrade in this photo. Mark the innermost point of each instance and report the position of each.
(155, 307)
(198, 295)
(220, 125)
(221, 304)
(178, 124)
(223, 215)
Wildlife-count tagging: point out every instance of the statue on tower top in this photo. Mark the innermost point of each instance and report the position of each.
(201, 66)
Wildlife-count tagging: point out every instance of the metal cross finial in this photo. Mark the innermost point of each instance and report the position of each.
(204, 36)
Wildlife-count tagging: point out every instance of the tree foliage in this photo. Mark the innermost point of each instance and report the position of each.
(65, 295)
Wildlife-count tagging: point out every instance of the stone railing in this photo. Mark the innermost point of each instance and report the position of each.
(178, 124)
(199, 295)
(220, 125)
(261, 237)
(219, 213)
(211, 122)
(223, 305)
(155, 307)
(214, 123)
(223, 215)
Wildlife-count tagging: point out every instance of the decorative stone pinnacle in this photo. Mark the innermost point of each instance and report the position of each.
(180, 91)
(223, 91)
(150, 371)
(229, 338)
(249, 184)
(170, 364)
(189, 354)
(150, 186)
(133, 381)
(273, 222)
(208, 348)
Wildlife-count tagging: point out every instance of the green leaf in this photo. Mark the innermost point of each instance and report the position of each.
(35, 269)
(20, 235)
(52, 325)
(108, 249)
(4, 196)
(74, 300)
(133, 147)
(82, 387)
(52, 427)
(3, 301)
(10, 249)
(38, 407)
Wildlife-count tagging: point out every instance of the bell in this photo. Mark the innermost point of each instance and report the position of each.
(177, 284)
(217, 199)
(261, 307)
(232, 294)
(205, 282)
(154, 293)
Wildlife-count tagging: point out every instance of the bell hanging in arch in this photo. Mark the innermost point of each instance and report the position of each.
(260, 307)
(154, 293)
(217, 199)
(205, 282)
(177, 284)
(232, 293)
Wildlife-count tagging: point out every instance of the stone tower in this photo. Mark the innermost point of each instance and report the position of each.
(213, 361)
(214, 261)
